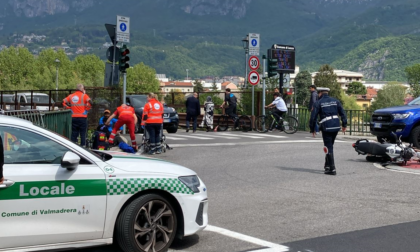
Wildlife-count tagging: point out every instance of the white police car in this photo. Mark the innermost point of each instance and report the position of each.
(58, 195)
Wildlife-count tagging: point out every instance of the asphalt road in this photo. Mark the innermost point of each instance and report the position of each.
(270, 194)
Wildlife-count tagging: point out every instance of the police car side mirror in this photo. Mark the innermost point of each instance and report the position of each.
(70, 160)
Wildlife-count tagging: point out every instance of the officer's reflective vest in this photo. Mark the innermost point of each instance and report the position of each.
(79, 103)
(124, 110)
(152, 113)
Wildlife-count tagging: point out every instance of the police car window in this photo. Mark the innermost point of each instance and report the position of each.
(25, 147)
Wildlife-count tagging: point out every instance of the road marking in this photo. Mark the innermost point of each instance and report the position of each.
(267, 135)
(244, 135)
(175, 138)
(245, 143)
(273, 247)
(217, 136)
(197, 137)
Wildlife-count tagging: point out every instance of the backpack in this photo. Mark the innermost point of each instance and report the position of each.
(100, 141)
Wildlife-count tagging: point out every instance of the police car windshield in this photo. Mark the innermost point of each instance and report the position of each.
(138, 101)
(415, 101)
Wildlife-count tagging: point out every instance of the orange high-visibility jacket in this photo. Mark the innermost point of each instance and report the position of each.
(124, 110)
(153, 112)
(79, 103)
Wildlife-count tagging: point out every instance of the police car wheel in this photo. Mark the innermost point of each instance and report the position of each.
(148, 223)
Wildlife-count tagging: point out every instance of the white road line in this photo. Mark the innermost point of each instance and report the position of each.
(197, 137)
(273, 246)
(244, 143)
(244, 135)
(175, 138)
(266, 135)
(217, 136)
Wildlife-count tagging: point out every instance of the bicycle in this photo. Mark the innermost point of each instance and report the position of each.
(288, 124)
(244, 122)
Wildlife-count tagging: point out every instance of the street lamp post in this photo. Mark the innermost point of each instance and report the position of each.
(187, 74)
(245, 44)
(57, 64)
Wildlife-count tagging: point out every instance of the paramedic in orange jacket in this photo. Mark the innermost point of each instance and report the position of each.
(153, 119)
(79, 103)
(126, 115)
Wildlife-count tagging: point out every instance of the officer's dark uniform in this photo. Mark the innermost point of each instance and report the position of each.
(328, 110)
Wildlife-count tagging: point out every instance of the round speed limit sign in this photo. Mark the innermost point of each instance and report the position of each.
(254, 62)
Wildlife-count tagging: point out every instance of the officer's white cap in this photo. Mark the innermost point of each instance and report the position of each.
(322, 89)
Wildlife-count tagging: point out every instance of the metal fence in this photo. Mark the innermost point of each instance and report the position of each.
(57, 121)
(358, 121)
(111, 98)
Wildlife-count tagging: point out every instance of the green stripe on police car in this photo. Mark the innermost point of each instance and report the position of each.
(54, 189)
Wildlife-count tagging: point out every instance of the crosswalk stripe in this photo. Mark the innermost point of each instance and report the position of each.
(215, 135)
(266, 135)
(197, 137)
(245, 135)
(175, 138)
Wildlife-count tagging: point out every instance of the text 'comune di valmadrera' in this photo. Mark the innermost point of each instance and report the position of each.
(38, 212)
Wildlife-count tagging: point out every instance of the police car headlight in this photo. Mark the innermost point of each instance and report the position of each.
(192, 182)
(401, 116)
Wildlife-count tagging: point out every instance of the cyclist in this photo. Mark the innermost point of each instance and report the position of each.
(231, 110)
(280, 107)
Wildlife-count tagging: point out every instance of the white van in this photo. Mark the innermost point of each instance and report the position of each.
(38, 98)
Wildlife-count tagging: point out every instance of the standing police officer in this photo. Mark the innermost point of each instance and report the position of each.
(328, 110)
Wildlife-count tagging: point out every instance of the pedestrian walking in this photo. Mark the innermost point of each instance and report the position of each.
(312, 100)
(231, 100)
(152, 121)
(208, 113)
(126, 115)
(328, 109)
(193, 111)
(79, 103)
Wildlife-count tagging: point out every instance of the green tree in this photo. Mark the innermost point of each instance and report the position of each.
(350, 102)
(302, 82)
(413, 78)
(392, 94)
(198, 87)
(90, 69)
(327, 78)
(141, 79)
(356, 88)
(214, 86)
(17, 69)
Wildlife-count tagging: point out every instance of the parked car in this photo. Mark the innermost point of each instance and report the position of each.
(8, 100)
(170, 116)
(58, 195)
(38, 98)
(403, 120)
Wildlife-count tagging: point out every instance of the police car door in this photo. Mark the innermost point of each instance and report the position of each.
(43, 203)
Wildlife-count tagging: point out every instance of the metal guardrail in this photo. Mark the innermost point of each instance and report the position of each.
(57, 121)
(358, 120)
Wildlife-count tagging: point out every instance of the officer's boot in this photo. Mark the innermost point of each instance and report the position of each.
(331, 171)
(327, 163)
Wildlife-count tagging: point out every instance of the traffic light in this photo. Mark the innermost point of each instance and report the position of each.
(123, 62)
(272, 67)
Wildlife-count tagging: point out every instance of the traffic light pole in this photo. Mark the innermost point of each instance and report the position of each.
(113, 63)
(124, 92)
(281, 83)
(263, 98)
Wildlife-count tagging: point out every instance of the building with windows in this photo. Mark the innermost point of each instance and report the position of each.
(166, 87)
(344, 77)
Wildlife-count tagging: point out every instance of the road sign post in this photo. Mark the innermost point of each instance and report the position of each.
(254, 44)
(123, 29)
(254, 62)
(263, 99)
